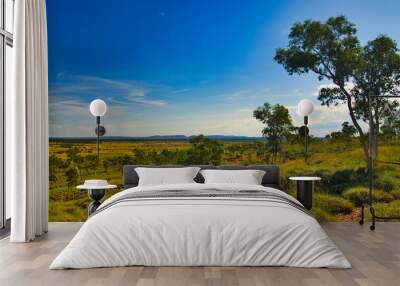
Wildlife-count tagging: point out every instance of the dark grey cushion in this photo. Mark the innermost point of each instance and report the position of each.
(270, 179)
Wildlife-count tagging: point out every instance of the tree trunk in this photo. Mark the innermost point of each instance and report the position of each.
(361, 136)
(375, 145)
(364, 144)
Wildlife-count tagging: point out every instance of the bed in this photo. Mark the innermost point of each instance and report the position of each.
(197, 224)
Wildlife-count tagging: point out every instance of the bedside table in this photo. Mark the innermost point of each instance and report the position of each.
(96, 190)
(305, 190)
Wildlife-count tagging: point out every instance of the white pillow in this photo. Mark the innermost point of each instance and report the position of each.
(166, 176)
(248, 177)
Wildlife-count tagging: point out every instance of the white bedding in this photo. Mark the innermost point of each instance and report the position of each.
(200, 231)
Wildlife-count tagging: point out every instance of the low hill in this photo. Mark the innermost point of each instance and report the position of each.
(154, 138)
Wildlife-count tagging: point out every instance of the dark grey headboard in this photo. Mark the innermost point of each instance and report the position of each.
(271, 177)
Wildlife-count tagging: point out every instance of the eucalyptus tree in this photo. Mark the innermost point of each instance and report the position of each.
(278, 125)
(333, 52)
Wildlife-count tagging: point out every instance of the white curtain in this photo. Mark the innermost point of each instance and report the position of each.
(27, 123)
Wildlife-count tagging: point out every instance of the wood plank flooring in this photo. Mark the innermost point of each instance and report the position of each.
(375, 257)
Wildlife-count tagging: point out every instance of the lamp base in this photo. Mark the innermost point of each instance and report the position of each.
(96, 195)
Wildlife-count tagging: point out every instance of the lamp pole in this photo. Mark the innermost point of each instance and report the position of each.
(98, 108)
(370, 159)
(305, 138)
(98, 138)
(304, 108)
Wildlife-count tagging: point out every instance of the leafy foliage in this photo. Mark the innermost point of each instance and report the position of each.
(388, 210)
(348, 131)
(341, 179)
(333, 204)
(333, 52)
(322, 215)
(71, 175)
(359, 196)
(55, 164)
(278, 125)
(205, 151)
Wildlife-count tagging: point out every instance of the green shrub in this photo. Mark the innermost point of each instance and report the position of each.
(395, 194)
(342, 179)
(388, 210)
(333, 204)
(66, 211)
(383, 185)
(382, 197)
(359, 196)
(385, 178)
(82, 203)
(341, 176)
(322, 215)
(323, 173)
(337, 189)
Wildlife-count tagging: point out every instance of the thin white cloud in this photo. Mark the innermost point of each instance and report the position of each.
(246, 110)
(204, 82)
(148, 101)
(93, 86)
(246, 94)
(103, 81)
(237, 94)
(183, 90)
(127, 101)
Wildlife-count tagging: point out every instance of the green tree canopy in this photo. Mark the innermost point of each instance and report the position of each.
(71, 175)
(333, 52)
(73, 155)
(278, 125)
(348, 130)
(205, 151)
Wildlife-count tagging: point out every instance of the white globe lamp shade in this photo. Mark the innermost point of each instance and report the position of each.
(98, 107)
(305, 107)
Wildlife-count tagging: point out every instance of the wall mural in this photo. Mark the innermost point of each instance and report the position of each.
(215, 82)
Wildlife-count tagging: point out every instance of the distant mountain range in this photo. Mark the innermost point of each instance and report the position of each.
(157, 138)
(215, 137)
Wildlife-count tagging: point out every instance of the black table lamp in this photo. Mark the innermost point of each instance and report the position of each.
(98, 108)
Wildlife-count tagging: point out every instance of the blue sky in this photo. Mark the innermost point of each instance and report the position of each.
(187, 67)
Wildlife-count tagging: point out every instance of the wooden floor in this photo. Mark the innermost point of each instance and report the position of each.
(375, 257)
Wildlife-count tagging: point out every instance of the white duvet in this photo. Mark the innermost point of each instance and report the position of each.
(194, 231)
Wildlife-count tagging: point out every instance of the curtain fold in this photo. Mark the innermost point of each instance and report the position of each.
(28, 123)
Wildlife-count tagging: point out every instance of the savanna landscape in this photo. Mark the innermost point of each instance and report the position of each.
(339, 161)
(361, 76)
